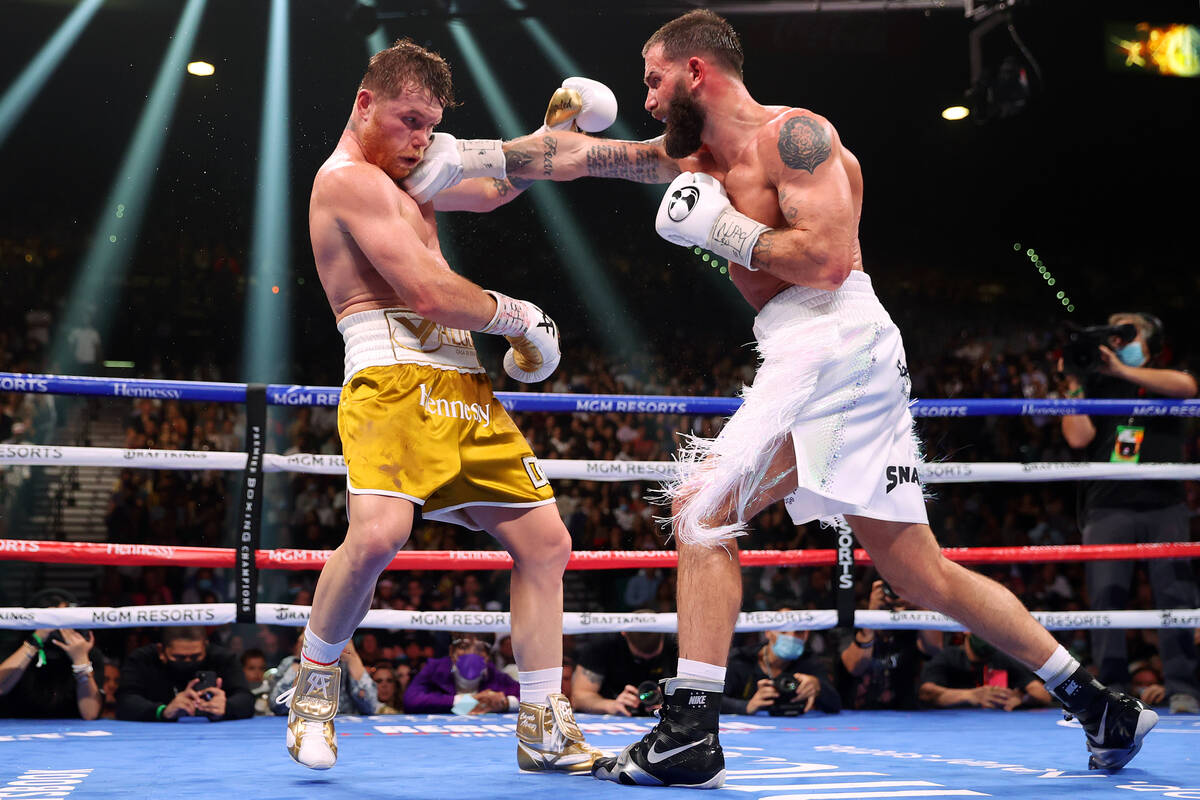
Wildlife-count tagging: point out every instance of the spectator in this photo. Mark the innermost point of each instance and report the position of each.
(389, 701)
(1136, 511)
(880, 668)
(85, 346)
(1146, 683)
(357, 689)
(613, 670)
(112, 681)
(159, 681)
(254, 667)
(464, 682)
(41, 681)
(756, 673)
(978, 674)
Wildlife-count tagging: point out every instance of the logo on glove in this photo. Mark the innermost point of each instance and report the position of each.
(683, 200)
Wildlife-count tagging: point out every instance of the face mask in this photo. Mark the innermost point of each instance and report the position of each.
(204, 585)
(468, 671)
(1132, 354)
(787, 648)
(182, 671)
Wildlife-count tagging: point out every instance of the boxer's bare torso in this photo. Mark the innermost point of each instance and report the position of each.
(766, 180)
(344, 183)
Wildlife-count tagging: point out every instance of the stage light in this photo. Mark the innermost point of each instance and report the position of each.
(31, 80)
(266, 354)
(111, 248)
(201, 69)
(955, 113)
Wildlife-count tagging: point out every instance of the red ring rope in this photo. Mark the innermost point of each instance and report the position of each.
(103, 553)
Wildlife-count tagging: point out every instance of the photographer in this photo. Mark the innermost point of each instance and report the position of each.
(776, 674)
(977, 674)
(619, 673)
(52, 673)
(1126, 512)
(879, 668)
(183, 676)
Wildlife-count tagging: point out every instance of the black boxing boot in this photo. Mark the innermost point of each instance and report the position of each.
(1114, 722)
(683, 749)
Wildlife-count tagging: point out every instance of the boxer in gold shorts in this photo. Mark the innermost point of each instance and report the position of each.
(418, 421)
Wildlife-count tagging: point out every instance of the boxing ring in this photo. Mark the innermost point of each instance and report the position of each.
(875, 754)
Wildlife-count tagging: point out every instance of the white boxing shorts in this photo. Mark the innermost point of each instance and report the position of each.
(832, 374)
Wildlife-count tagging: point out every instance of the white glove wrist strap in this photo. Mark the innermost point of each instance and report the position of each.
(510, 318)
(733, 236)
(482, 158)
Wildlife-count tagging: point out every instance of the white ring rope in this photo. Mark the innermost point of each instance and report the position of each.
(568, 469)
(209, 614)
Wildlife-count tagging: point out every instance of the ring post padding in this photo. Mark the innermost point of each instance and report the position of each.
(250, 509)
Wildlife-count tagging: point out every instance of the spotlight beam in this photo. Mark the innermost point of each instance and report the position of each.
(31, 80)
(120, 221)
(587, 275)
(266, 352)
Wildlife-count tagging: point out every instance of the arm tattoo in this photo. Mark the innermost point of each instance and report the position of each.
(515, 159)
(763, 254)
(594, 677)
(520, 184)
(646, 165)
(803, 143)
(502, 187)
(548, 155)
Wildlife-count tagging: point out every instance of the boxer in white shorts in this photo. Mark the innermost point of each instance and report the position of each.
(826, 423)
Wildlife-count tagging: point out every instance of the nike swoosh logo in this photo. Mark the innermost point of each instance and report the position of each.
(1103, 719)
(654, 756)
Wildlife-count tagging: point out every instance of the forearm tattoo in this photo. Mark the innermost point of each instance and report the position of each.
(763, 255)
(551, 150)
(516, 159)
(631, 162)
(803, 143)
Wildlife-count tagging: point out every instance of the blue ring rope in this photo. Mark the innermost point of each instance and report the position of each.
(284, 395)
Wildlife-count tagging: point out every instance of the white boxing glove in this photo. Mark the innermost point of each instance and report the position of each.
(448, 160)
(534, 354)
(695, 211)
(583, 103)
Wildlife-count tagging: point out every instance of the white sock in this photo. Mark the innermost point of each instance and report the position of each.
(699, 669)
(319, 651)
(538, 683)
(1057, 668)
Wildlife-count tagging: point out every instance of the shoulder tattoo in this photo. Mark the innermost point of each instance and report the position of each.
(803, 143)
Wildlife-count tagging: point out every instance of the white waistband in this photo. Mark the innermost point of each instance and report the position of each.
(389, 336)
(854, 301)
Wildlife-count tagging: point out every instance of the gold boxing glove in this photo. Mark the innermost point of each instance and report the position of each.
(581, 104)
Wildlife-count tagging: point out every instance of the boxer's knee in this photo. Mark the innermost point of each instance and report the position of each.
(545, 551)
(371, 544)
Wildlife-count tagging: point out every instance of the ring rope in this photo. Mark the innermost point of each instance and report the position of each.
(569, 469)
(110, 554)
(294, 395)
(211, 614)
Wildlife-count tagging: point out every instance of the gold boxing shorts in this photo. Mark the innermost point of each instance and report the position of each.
(436, 437)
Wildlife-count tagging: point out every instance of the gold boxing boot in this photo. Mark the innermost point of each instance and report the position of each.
(312, 705)
(549, 740)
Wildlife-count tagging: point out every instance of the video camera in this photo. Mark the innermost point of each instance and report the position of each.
(1081, 352)
(649, 696)
(786, 705)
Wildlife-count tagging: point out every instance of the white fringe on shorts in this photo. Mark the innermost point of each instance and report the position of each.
(719, 477)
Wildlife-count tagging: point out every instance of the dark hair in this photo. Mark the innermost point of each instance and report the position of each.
(700, 32)
(406, 64)
(253, 652)
(186, 633)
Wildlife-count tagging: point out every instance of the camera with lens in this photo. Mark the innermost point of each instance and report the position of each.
(786, 705)
(649, 696)
(1081, 350)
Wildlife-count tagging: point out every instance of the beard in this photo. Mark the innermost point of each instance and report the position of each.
(685, 123)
